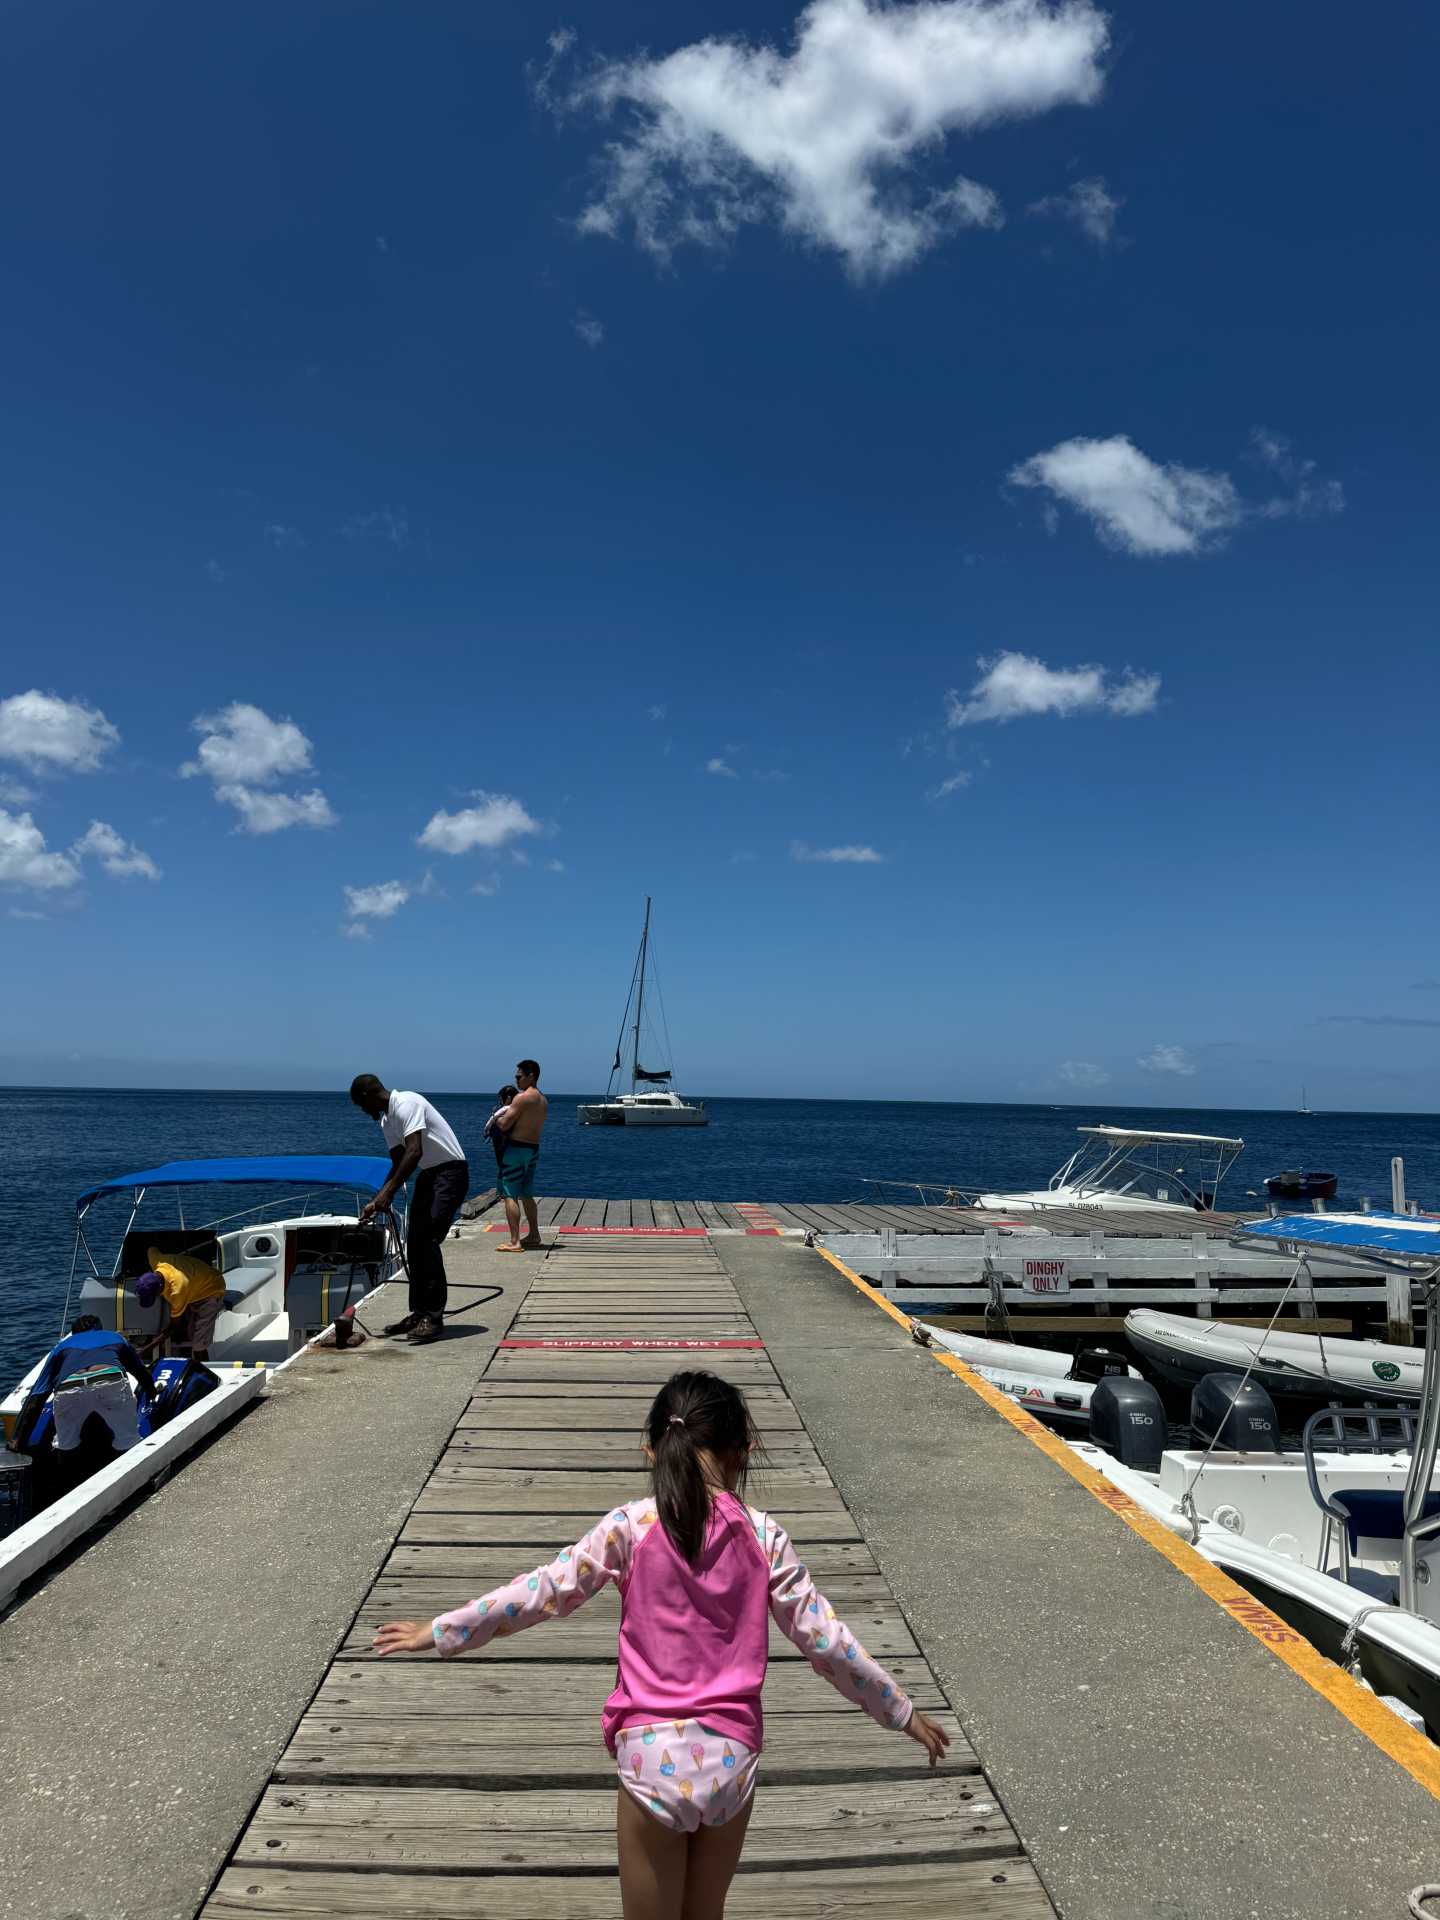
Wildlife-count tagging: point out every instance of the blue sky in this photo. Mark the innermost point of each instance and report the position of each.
(942, 496)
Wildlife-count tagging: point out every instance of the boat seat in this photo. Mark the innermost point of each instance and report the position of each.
(1377, 1513)
(1384, 1587)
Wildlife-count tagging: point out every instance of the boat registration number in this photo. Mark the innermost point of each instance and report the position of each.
(1045, 1276)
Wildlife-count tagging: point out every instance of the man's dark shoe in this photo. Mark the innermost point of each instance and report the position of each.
(401, 1326)
(424, 1330)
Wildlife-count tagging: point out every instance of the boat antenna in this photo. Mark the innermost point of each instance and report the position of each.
(640, 1000)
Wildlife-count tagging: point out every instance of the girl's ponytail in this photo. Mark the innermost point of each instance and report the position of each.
(695, 1413)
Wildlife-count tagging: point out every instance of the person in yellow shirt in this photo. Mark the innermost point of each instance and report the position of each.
(194, 1293)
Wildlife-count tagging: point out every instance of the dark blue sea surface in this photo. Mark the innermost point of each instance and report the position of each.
(57, 1141)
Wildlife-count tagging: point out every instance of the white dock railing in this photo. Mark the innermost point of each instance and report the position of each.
(1040, 1272)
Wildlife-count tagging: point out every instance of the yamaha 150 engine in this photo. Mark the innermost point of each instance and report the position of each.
(1237, 1414)
(1127, 1419)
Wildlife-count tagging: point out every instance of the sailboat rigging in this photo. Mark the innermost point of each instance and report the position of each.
(640, 1108)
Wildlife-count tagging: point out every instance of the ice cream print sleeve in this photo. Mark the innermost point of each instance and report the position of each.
(575, 1575)
(807, 1619)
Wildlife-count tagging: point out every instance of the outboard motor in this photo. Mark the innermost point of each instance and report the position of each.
(1097, 1363)
(1235, 1413)
(1127, 1419)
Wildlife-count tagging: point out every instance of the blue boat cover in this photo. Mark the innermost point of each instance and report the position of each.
(1392, 1233)
(361, 1173)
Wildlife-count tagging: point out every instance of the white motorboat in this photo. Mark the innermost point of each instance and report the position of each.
(287, 1277)
(1340, 1539)
(1295, 1366)
(1055, 1387)
(651, 1101)
(1115, 1168)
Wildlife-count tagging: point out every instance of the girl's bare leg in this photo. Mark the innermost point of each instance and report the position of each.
(652, 1864)
(714, 1856)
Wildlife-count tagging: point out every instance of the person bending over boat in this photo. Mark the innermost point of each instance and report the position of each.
(92, 1424)
(421, 1141)
(522, 1123)
(193, 1291)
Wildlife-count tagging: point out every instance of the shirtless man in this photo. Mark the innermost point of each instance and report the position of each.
(522, 1123)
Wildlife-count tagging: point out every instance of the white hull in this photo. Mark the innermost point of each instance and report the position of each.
(644, 1110)
(1258, 1522)
(1077, 1198)
(1292, 1365)
(1038, 1379)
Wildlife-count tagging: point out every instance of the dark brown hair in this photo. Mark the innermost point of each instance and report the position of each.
(695, 1412)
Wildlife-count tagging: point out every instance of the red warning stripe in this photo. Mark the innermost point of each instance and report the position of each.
(628, 1346)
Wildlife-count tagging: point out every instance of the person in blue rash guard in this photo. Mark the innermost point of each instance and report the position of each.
(87, 1346)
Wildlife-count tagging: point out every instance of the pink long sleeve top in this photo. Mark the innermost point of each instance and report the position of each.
(693, 1640)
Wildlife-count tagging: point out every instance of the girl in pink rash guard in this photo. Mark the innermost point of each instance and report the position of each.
(701, 1576)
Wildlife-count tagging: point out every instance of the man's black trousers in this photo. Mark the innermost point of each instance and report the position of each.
(434, 1202)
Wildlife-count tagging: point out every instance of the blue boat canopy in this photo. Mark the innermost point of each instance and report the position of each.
(1392, 1233)
(359, 1172)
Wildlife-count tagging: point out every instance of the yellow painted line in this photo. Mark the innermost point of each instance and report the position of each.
(1408, 1749)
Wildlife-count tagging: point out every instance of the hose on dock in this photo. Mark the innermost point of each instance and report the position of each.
(1418, 1899)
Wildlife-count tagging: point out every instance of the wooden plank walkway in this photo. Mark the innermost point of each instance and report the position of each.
(419, 1791)
(865, 1217)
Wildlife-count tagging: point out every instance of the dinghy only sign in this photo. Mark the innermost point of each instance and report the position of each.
(1045, 1276)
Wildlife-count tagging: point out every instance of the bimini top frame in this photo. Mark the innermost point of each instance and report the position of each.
(1115, 1160)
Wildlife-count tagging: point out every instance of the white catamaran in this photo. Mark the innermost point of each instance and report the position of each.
(658, 1105)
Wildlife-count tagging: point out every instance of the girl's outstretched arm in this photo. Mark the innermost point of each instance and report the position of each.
(807, 1618)
(574, 1576)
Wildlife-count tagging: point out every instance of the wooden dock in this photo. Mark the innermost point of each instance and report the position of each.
(413, 1790)
(853, 1217)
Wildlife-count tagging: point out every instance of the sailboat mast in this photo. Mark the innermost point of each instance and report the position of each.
(640, 1000)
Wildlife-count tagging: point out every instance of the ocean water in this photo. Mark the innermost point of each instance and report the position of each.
(57, 1141)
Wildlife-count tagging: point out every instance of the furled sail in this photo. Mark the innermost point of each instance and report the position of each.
(641, 1073)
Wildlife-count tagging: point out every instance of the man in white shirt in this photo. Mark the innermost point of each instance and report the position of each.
(421, 1141)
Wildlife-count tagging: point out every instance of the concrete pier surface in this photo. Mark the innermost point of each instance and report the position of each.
(150, 1683)
(1133, 1753)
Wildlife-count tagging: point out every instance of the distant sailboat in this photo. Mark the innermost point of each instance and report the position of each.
(636, 1109)
(1302, 1108)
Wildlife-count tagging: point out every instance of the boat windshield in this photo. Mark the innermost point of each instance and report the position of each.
(1172, 1169)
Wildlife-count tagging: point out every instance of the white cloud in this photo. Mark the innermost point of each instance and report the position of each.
(262, 812)
(838, 856)
(1088, 204)
(1135, 503)
(590, 330)
(487, 889)
(355, 930)
(24, 860)
(380, 902)
(14, 793)
(215, 573)
(824, 139)
(243, 744)
(555, 866)
(1015, 686)
(657, 712)
(284, 539)
(954, 784)
(51, 735)
(1081, 1073)
(722, 768)
(1309, 496)
(1166, 1059)
(388, 524)
(243, 751)
(118, 856)
(493, 822)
